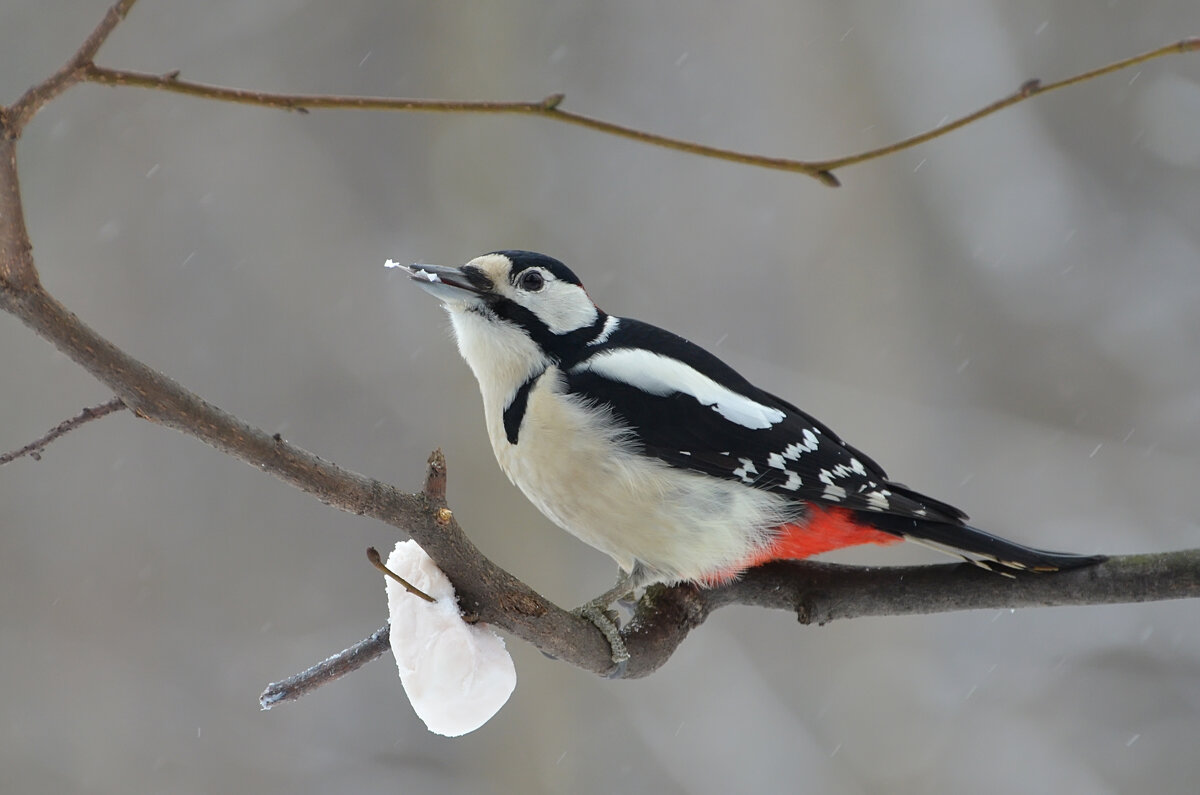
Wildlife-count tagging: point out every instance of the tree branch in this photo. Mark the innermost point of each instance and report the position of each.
(822, 592)
(549, 107)
(328, 670)
(816, 592)
(1028, 89)
(74, 70)
(491, 594)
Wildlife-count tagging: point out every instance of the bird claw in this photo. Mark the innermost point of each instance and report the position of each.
(605, 620)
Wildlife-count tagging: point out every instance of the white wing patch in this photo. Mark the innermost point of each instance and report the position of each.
(662, 375)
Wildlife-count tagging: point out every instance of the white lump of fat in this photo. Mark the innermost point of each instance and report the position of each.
(457, 675)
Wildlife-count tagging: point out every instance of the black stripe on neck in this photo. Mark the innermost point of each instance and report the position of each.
(566, 349)
(514, 413)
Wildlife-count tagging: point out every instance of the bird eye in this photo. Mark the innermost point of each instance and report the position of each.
(532, 281)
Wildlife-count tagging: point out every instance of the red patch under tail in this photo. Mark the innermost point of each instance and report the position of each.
(825, 530)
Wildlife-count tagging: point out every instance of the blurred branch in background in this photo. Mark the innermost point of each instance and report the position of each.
(549, 107)
(817, 593)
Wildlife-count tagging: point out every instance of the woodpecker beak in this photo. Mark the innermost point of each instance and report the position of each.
(442, 282)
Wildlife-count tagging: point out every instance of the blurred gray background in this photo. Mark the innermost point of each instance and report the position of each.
(1006, 319)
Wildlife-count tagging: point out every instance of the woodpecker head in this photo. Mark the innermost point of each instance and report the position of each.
(514, 312)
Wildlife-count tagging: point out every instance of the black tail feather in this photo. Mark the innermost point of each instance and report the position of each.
(978, 547)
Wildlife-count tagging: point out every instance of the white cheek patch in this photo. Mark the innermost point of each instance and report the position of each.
(562, 306)
(662, 375)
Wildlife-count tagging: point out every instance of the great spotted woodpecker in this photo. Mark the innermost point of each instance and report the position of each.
(653, 450)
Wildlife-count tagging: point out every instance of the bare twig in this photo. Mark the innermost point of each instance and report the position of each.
(74, 70)
(328, 670)
(34, 449)
(373, 556)
(550, 107)
(16, 263)
(1030, 88)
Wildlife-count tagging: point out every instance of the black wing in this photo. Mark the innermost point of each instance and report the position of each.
(797, 457)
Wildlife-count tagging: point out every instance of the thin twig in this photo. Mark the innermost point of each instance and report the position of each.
(1031, 88)
(328, 670)
(34, 449)
(373, 556)
(550, 107)
(70, 73)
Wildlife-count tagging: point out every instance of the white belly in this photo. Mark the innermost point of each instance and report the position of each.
(571, 462)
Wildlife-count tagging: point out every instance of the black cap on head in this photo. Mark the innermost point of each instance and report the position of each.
(522, 260)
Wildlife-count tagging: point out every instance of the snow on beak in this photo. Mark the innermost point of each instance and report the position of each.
(442, 282)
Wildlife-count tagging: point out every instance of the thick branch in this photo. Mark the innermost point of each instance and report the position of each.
(822, 592)
(484, 589)
(17, 271)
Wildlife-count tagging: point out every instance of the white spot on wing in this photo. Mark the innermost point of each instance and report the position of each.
(663, 375)
(879, 499)
(793, 481)
(796, 449)
(832, 490)
(835, 493)
(746, 469)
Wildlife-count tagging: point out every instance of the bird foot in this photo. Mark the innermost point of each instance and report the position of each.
(605, 620)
